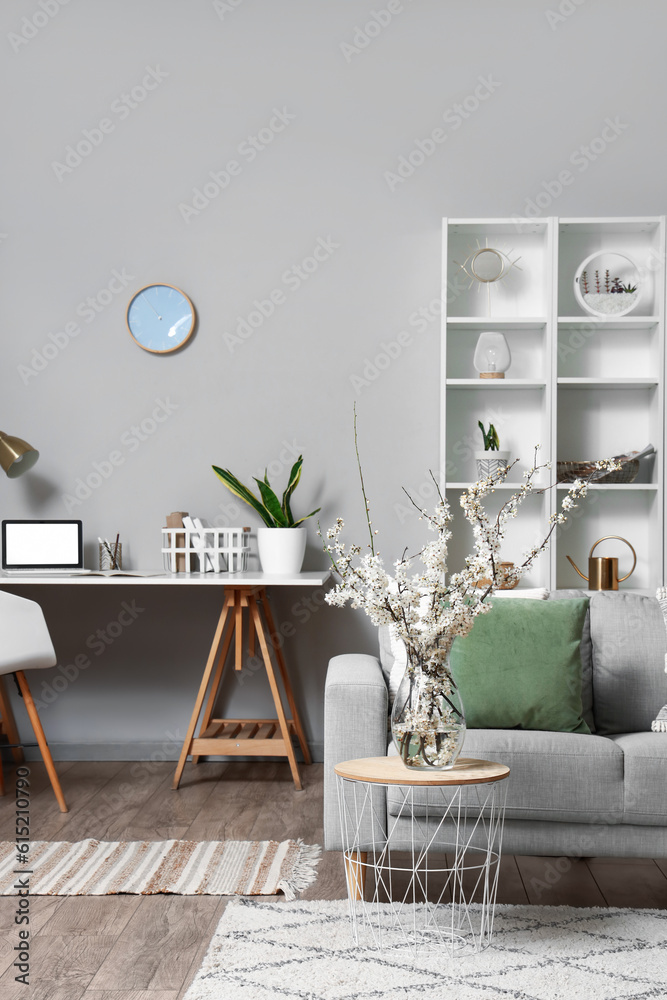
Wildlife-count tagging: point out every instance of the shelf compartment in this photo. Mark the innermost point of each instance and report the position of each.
(636, 516)
(527, 346)
(523, 292)
(639, 239)
(518, 414)
(532, 522)
(606, 421)
(609, 351)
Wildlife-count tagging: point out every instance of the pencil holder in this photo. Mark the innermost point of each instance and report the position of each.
(111, 557)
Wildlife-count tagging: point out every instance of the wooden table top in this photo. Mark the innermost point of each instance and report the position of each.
(392, 771)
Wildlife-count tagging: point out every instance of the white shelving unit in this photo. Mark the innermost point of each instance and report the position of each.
(583, 387)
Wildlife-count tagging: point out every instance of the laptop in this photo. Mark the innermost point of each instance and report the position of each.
(42, 548)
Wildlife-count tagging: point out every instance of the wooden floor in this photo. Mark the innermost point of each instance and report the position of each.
(149, 947)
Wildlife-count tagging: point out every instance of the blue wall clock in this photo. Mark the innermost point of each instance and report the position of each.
(160, 318)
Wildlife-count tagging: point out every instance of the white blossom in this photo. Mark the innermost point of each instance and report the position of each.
(429, 607)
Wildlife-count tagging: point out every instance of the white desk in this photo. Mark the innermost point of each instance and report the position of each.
(243, 593)
(247, 579)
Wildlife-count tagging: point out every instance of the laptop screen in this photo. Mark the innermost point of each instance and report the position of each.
(42, 544)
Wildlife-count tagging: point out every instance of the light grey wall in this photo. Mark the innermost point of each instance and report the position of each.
(357, 86)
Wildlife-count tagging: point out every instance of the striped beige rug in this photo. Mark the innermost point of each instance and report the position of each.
(183, 867)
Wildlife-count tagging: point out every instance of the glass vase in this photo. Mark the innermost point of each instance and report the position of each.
(427, 721)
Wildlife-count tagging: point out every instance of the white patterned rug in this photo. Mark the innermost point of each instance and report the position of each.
(185, 867)
(304, 950)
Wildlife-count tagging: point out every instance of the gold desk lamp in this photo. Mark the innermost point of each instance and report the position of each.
(16, 456)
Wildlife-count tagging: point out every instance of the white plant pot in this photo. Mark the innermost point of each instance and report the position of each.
(281, 550)
(490, 462)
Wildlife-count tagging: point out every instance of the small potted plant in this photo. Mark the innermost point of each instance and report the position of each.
(491, 459)
(282, 542)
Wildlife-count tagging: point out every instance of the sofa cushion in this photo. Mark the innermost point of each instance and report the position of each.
(645, 778)
(521, 666)
(629, 645)
(564, 777)
(586, 650)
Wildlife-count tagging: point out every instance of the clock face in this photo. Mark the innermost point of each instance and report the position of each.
(160, 318)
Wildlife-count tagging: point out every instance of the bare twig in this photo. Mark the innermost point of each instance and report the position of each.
(363, 488)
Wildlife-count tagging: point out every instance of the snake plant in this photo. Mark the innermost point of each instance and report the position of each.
(491, 442)
(274, 512)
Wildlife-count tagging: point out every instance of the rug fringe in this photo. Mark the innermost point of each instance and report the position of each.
(304, 872)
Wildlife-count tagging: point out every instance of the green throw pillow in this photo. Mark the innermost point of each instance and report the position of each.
(520, 666)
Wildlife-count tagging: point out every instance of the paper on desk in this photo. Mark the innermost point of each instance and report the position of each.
(122, 572)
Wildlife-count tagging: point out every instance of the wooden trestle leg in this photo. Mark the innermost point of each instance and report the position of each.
(244, 737)
(301, 736)
(187, 745)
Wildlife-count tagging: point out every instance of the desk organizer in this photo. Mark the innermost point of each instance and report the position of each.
(216, 550)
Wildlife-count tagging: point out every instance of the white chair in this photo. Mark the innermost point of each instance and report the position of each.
(25, 644)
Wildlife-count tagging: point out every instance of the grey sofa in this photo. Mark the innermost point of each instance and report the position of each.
(568, 794)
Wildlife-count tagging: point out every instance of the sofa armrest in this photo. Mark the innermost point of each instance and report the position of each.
(355, 725)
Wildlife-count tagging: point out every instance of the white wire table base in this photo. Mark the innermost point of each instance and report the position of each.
(427, 876)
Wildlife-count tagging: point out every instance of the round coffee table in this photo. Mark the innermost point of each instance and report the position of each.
(422, 851)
